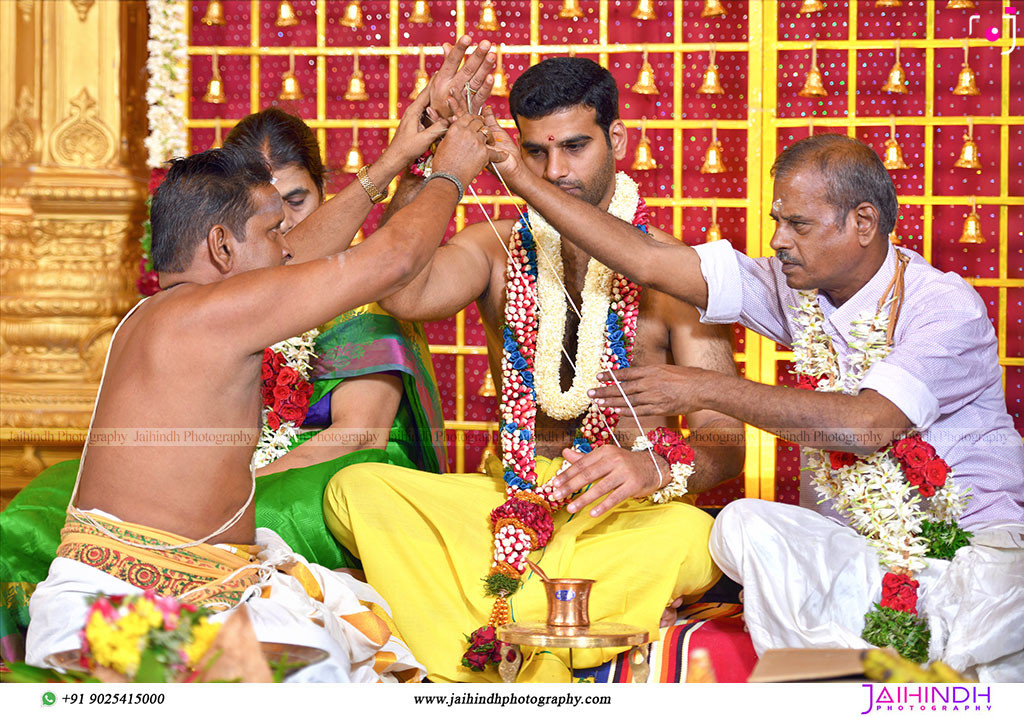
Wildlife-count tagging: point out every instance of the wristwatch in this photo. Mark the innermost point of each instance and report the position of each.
(376, 196)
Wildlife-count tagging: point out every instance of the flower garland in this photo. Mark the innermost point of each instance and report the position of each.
(285, 392)
(166, 90)
(901, 498)
(524, 522)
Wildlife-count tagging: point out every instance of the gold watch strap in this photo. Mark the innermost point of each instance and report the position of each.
(376, 195)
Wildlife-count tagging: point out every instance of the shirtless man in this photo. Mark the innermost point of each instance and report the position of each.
(190, 358)
(567, 113)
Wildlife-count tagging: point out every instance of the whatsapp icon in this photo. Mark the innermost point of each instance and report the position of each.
(49, 698)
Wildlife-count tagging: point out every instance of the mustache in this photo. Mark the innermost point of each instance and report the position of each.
(564, 186)
(784, 256)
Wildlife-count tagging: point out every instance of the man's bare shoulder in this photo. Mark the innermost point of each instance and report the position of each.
(485, 236)
(663, 237)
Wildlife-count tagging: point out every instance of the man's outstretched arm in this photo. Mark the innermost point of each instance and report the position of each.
(673, 269)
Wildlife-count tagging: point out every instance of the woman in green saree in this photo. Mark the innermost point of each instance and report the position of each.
(375, 399)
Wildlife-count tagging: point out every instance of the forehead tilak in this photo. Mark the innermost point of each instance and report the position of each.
(777, 205)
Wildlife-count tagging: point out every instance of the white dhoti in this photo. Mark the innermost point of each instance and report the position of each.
(808, 582)
(356, 633)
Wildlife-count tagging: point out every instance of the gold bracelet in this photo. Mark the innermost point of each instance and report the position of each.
(376, 196)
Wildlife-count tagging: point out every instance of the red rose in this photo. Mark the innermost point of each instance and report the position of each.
(273, 420)
(282, 392)
(267, 394)
(914, 477)
(303, 386)
(266, 370)
(839, 459)
(287, 376)
(278, 361)
(899, 592)
(300, 399)
(935, 472)
(917, 456)
(926, 489)
(291, 412)
(806, 382)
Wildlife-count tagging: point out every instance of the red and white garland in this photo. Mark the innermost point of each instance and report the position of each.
(285, 390)
(888, 495)
(607, 330)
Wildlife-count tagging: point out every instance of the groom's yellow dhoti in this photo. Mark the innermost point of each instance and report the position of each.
(425, 543)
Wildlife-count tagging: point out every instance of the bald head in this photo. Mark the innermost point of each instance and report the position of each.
(853, 174)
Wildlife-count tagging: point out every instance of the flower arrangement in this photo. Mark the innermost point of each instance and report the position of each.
(901, 498)
(285, 390)
(530, 364)
(147, 632)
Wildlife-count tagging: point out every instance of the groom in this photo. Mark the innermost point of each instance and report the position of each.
(643, 555)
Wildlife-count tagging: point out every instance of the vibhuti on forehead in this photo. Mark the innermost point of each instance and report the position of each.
(777, 206)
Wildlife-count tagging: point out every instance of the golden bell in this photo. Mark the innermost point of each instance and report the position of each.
(893, 237)
(814, 86)
(713, 159)
(712, 84)
(966, 82)
(714, 233)
(897, 80)
(487, 389)
(713, 8)
(570, 10)
(214, 13)
(420, 83)
(809, 6)
(893, 155)
(969, 158)
(960, 5)
(488, 17)
(644, 10)
(290, 89)
(501, 87)
(354, 158)
(286, 15)
(356, 91)
(888, 3)
(644, 84)
(215, 91)
(421, 13)
(353, 16)
(643, 158)
(489, 450)
(972, 229)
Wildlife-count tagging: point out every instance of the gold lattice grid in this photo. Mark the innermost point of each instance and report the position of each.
(760, 356)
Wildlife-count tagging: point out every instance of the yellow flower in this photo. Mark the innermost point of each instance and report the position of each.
(203, 634)
(149, 612)
(116, 646)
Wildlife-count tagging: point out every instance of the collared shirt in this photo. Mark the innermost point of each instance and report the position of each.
(943, 371)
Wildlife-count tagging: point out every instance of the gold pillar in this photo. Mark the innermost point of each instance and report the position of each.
(72, 199)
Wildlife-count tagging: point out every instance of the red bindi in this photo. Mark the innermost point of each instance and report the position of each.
(551, 138)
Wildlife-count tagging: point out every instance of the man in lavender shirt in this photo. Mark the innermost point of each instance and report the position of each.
(808, 578)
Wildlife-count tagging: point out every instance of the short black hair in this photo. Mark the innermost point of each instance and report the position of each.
(282, 139)
(560, 83)
(853, 173)
(212, 187)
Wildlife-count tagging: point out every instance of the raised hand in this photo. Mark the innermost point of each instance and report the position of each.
(511, 163)
(613, 473)
(450, 80)
(654, 390)
(411, 139)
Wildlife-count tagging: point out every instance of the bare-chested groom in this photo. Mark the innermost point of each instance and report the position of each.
(425, 541)
(178, 519)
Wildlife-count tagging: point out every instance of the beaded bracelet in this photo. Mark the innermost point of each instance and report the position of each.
(673, 448)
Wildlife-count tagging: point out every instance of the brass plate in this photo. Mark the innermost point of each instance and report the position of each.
(605, 634)
(296, 657)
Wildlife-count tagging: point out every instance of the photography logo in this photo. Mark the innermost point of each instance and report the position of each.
(993, 33)
(925, 698)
